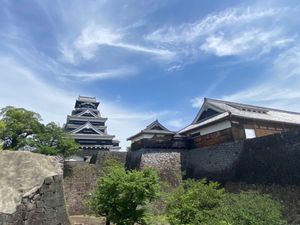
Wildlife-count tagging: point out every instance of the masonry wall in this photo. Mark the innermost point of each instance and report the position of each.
(270, 159)
(267, 160)
(80, 179)
(217, 162)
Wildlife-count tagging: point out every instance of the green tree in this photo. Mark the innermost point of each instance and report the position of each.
(23, 128)
(121, 195)
(193, 201)
(249, 208)
(18, 123)
(53, 141)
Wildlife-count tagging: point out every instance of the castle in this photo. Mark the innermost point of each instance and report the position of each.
(87, 127)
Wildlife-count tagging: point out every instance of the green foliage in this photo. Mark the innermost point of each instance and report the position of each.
(17, 125)
(198, 203)
(192, 202)
(22, 128)
(249, 208)
(53, 141)
(121, 195)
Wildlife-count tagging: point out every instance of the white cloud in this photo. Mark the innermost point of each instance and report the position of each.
(176, 123)
(190, 32)
(236, 31)
(239, 44)
(116, 73)
(288, 62)
(20, 87)
(281, 90)
(174, 68)
(197, 102)
(93, 37)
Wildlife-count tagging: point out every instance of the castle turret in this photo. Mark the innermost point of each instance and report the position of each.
(88, 128)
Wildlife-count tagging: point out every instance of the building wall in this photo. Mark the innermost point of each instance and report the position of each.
(214, 138)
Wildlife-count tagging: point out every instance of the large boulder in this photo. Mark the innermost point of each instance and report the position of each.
(31, 190)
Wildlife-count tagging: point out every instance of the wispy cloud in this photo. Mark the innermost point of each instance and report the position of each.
(93, 37)
(110, 74)
(280, 90)
(232, 32)
(197, 102)
(176, 123)
(253, 41)
(190, 32)
(288, 62)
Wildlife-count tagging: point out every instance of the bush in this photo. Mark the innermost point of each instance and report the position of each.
(202, 203)
(249, 208)
(193, 201)
(121, 195)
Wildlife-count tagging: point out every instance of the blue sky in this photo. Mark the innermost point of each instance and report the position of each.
(147, 60)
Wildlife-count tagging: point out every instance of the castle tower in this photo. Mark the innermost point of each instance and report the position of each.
(88, 128)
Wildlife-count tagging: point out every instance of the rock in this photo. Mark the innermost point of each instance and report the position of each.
(31, 190)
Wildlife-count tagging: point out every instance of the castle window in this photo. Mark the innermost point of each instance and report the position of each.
(250, 133)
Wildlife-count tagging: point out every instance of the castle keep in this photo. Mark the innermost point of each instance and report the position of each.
(87, 127)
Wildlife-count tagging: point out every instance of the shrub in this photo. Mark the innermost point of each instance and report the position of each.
(202, 203)
(121, 195)
(249, 208)
(193, 201)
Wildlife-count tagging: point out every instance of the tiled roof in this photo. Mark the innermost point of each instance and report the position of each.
(86, 99)
(150, 129)
(225, 108)
(255, 112)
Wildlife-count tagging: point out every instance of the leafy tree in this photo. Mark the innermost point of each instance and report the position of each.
(53, 141)
(193, 201)
(121, 195)
(18, 123)
(249, 208)
(21, 128)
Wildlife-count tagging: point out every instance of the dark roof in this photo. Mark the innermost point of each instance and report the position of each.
(153, 128)
(86, 99)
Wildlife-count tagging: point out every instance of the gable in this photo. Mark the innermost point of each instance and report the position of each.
(87, 131)
(207, 113)
(87, 115)
(156, 128)
(87, 128)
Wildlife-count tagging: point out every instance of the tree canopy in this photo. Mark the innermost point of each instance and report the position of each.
(21, 128)
(121, 195)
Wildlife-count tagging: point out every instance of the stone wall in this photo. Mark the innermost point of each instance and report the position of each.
(31, 190)
(168, 165)
(80, 179)
(270, 159)
(216, 162)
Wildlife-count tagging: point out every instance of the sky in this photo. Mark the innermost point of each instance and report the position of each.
(147, 59)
